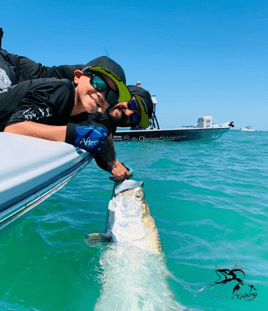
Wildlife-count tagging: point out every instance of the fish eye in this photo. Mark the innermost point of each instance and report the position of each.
(139, 195)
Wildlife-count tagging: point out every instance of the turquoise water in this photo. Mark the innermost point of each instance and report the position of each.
(209, 201)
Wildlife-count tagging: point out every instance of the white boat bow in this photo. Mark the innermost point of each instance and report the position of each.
(33, 169)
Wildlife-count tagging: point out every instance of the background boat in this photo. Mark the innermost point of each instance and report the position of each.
(247, 129)
(204, 129)
(179, 134)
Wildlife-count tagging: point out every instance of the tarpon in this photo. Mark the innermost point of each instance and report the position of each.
(129, 219)
(134, 274)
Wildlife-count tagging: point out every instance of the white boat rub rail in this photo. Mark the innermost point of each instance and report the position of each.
(32, 170)
(24, 206)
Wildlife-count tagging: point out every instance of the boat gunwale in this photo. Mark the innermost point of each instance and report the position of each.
(35, 196)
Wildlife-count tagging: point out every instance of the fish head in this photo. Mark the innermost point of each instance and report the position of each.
(126, 209)
(128, 198)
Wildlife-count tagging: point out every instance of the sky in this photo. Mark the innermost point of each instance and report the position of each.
(198, 58)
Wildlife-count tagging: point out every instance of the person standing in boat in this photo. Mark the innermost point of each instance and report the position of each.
(42, 107)
(134, 113)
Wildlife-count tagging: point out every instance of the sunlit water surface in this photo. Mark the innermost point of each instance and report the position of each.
(210, 203)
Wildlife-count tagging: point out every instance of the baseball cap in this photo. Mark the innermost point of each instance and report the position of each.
(114, 71)
(145, 102)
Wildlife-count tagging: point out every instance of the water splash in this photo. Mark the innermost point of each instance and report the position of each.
(133, 279)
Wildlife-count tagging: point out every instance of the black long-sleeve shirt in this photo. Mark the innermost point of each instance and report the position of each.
(15, 69)
(46, 101)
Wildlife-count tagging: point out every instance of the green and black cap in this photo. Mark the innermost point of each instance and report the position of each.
(145, 102)
(114, 71)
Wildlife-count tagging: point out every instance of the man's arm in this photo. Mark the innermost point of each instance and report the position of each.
(38, 130)
(107, 160)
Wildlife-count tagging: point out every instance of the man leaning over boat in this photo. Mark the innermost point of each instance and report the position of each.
(135, 112)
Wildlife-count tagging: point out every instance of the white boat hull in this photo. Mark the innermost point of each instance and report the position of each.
(180, 134)
(247, 129)
(33, 169)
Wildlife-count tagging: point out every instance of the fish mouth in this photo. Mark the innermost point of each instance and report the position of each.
(127, 185)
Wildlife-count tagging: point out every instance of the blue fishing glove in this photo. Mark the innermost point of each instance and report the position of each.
(91, 134)
(90, 138)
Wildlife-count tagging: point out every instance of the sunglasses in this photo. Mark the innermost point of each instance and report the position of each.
(101, 85)
(135, 118)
